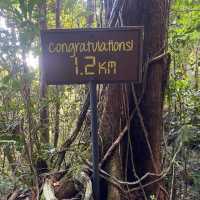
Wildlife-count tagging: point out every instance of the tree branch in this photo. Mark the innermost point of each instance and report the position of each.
(75, 131)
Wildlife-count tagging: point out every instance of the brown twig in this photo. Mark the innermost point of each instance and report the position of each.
(75, 131)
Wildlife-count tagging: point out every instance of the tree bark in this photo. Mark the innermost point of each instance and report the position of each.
(57, 105)
(90, 8)
(44, 116)
(109, 129)
(108, 4)
(153, 16)
(146, 126)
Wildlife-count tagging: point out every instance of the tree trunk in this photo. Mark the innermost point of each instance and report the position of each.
(108, 4)
(44, 118)
(90, 8)
(196, 75)
(57, 105)
(146, 125)
(153, 16)
(109, 129)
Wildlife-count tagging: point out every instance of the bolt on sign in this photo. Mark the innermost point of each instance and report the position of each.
(83, 55)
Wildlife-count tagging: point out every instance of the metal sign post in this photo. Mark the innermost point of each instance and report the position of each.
(78, 56)
(95, 144)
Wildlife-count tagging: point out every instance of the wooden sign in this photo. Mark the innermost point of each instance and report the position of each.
(84, 55)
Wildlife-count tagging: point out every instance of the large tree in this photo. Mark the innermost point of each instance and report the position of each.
(134, 112)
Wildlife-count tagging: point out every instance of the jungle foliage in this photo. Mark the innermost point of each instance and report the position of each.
(20, 104)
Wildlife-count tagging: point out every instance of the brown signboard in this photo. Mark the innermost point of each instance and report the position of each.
(84, 55)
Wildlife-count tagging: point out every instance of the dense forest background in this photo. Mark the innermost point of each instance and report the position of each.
(45, 131)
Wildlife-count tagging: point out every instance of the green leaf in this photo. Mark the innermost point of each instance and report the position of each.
(23, 7)
(31, 5)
